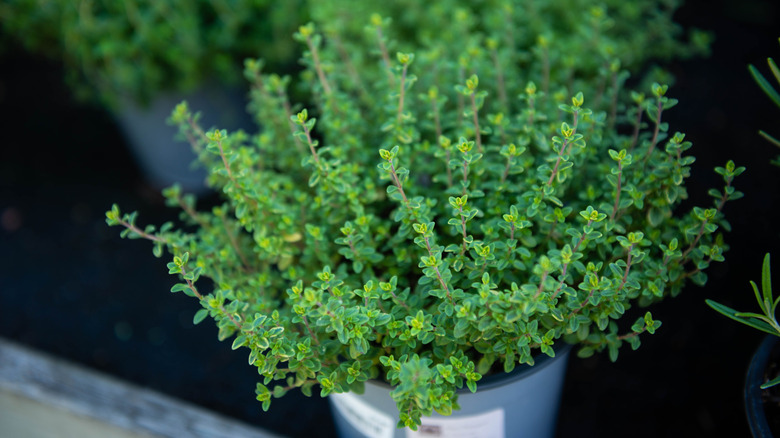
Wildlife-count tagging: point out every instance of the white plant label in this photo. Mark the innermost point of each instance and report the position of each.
(487, 425)
(367, 420)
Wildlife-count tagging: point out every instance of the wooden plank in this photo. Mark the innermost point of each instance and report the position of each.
(24, 417)
(26, 374)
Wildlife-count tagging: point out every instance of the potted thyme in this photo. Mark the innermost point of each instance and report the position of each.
(445, 213)
(134, 50)
(139, 58)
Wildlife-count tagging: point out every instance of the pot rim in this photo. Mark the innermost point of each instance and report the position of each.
(493, 381)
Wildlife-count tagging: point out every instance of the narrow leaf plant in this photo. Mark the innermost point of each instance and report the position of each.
(766, 321)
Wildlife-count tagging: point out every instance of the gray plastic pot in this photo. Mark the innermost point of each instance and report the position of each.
(522, 403)
(162, 158)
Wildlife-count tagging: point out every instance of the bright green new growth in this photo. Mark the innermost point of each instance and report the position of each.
(768, 89)
(767, 321)
(444, 212)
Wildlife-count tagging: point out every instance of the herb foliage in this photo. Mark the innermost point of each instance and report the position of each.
(440, 209)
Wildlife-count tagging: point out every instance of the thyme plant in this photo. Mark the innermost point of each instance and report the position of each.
(137, 48)
(439, 211)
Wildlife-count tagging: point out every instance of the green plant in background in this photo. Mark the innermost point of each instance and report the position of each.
(137, 48)
(443, 209)
(635, 32)
(768, 89)
(766, 321)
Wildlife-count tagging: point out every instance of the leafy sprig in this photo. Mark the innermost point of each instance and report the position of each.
(766, 321)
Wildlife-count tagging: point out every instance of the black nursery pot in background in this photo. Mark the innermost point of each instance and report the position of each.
(762, 406)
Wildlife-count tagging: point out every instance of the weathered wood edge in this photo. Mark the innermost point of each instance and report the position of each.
(53, 381)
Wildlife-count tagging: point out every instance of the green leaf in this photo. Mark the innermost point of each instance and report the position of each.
(613, 352)
(765, 85)
(773, 67)
(238, 342)
(771, 383)
(769, 138)
(733, 314)
(766, 285)
(179, 287)
(655, 217)
(200, 315)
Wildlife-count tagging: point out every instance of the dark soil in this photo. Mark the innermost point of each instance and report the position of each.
(70, 286)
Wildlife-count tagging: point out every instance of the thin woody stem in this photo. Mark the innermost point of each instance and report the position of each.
(308, 329)
(506, 169)
(142, 233)
(225, 161)
(397, 183)
(541, 284)
(191, 213)
(477, 134)
(199, 296)
(637, 123)
(318, 66)
(437, 125)
(234, 243)
(656, 131)
(617, 194)
(500, 79)
(385, 55)
(613, 103)
(288, 113)
(438, 273)
(465, 175)
(402, 94)
(704, 223)
(564, 146)
(545, 72)
(566, 265)
(313, 151)
(463, 230)
(199, 131)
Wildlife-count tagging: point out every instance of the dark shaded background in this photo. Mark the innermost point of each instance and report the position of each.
(70, 286)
